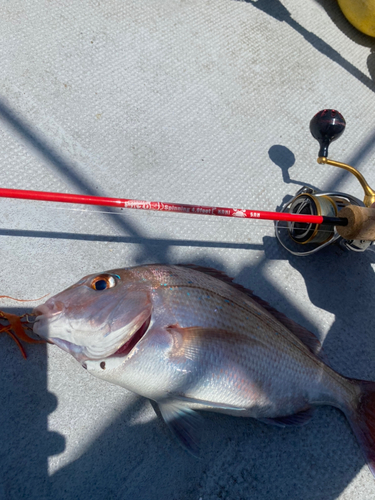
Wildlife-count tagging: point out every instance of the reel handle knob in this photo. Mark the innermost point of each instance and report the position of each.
(327, 126)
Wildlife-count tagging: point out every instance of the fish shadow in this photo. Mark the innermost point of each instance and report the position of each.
(240, 459)
(26, 441)
(343, 283)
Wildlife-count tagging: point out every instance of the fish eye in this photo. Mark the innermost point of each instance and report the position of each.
(103, 281)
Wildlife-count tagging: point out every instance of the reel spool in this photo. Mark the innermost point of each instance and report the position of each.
(305, 239)
(307, 203)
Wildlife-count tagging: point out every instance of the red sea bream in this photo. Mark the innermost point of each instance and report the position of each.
(188, 339)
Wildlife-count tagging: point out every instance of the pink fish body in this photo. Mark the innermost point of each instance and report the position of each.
(190, 340)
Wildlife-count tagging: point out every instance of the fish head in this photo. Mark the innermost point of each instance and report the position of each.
(100, 316)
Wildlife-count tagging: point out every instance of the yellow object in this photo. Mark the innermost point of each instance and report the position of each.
(360, 13)
(369, 198)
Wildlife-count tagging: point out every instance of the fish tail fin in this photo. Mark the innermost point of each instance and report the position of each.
(361, 416)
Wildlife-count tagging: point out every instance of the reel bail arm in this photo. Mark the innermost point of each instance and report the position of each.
(369, 197)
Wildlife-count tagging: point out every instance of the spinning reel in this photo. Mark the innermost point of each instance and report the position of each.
(359, 232)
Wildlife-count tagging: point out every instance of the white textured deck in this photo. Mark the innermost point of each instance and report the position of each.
(181, 101)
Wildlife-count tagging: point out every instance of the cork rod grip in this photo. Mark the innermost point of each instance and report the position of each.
(361, 223)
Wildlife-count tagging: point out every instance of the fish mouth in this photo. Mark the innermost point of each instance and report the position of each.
(73, 349)
(44, 313)
(128, 346)
(50, 311)
(63, 344)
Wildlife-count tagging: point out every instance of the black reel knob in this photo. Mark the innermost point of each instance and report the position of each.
(325, 127)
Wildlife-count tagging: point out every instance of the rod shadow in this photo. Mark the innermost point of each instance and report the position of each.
(162, 244)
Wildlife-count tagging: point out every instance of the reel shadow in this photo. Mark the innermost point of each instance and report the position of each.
(284, 158)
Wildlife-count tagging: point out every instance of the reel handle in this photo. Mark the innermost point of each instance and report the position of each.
(327, 126)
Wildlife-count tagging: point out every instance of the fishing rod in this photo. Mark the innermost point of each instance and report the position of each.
(158, 206)
(314, 219)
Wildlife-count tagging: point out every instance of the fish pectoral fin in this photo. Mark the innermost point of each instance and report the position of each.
(300, 418)
(210, 404)
(184, 424)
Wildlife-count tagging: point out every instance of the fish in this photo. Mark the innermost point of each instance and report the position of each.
(190, 339)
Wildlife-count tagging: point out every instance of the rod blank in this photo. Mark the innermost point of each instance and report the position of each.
(168, 207)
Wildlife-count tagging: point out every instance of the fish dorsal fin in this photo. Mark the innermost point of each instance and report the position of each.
(304, 335)
(215, 274)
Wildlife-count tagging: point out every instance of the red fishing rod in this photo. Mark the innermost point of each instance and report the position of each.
(170, 207)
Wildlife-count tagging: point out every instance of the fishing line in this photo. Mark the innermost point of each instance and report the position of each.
(22, 300)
